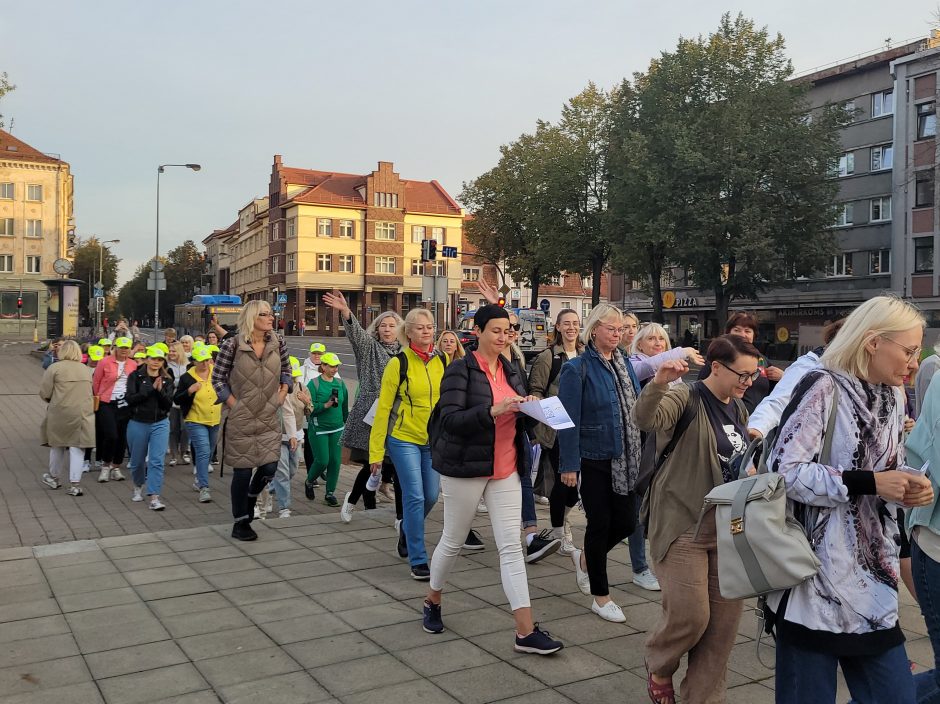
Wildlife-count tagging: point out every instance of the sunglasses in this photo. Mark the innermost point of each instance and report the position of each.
(516, 326)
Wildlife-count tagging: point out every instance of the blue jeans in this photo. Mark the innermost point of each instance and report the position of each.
(927, 587)
(420, 485)
(529, 518)
(286, 466)
(809, 677)
(637, 544)
(203, 439)
(148, 443)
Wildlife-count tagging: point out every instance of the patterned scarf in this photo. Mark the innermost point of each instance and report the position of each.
(624, 469)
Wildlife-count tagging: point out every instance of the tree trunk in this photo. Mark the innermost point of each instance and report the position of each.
(656, 286)
(722, 301)
(597, 271)
(534, 277)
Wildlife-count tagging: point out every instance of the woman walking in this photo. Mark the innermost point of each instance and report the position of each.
(252, 376)
(202, 414)
(847, 614)
(373, 347)
(696, 620)
(150, 398)
(109, 384)
(411, 384)
(481, 451)
(69, 425)
(330, 402)
(178, 364)
(598, 388)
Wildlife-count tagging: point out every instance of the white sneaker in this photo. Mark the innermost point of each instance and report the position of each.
(74, 490)
(481, 507)
(257, 511)
(210, 469)
(584, 582)
(104, 475)
(284, 513)
(204, 495)
(116, 475)
(346, 512)
(567, 540)
(609, 612)
(542, 500)
(172, 462)
(156, 504)
(646, 580)
(86, 466)
(186, 458)
(138, 494)
(50, 481)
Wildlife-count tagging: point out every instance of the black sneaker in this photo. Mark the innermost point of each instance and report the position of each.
(402, 542)
(330, 500)
(308, 490)
(542, 545)
(421, 572)
(473, 541)
(242, 530)
(538, 642)
(432, 618)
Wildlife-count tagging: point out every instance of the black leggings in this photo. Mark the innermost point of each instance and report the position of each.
(111, 428)
(562, 496)
(247, 487)
(611, 517)
(368, 497)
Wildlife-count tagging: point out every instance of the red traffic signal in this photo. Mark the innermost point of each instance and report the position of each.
(501, 301)
(19, 302)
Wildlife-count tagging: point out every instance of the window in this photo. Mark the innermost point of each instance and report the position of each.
(275, 231)
(33, 264)
(291, 227)
(882, 157)
(275, 265)
(292, 262)
(841, 265)
(471, 274)
(849, 107)
(418, 233)
(346, 228)
(585, 309)
(8, 307)
(437, 233)
(923, 254)
(847, 164)
(6, 227)
(926, 120)
(880, 262)
(845, 215)
(565, 304)
(34, 228)
(347, 263)
(881, 209)
(882, 103)
(923, 189)
(385, 231)
(440, 267)
(33, 192)
(587, 282)
(324, 262)
(417, 267)
(324, 227)
(385, 200)
(6, 263)
(6, 191)
(385, 265)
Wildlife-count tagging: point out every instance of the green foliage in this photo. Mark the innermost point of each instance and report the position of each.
(183, 267)
(5, 87)
(88, 255)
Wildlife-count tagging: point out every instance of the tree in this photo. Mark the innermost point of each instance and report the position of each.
(135, 301)
(736, 185)
(88, 254)
(183, 267)
(5, 87)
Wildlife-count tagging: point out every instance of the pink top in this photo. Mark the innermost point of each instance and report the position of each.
(504, 453)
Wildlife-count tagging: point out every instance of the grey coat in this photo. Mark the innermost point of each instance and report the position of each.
(70, 418)
(371, 358)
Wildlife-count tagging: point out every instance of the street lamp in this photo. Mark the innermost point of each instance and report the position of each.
(100, 283)
(156, 258)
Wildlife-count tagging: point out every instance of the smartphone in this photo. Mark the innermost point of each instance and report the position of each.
(334, 396)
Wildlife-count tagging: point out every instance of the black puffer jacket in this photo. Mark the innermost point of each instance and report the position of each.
(463, 431)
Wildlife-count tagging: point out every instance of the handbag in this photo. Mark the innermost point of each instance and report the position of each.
(761, 546)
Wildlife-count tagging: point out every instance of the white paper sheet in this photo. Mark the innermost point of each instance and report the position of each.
(536, 458)
(370, 414)
(549, 411)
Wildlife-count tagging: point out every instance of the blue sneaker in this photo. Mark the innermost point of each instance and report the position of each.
(538, 642)
(432, 618)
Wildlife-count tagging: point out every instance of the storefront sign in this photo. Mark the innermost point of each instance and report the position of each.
(670, 300)
(783, 334)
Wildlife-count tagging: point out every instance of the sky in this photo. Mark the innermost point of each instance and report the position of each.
(117, 88)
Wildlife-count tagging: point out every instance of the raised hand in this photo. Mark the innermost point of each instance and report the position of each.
(670, 372)
(490, 293)
(692, 355)
(338, 301)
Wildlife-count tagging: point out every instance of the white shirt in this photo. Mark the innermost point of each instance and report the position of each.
(767, 415)
(120, 385)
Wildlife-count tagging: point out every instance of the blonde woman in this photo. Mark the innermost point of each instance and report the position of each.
(450, 345)
(69, 425)
(252, 376)
(401, 428)
(178, 363)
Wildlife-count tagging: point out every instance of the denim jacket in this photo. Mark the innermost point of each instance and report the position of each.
(587, 392)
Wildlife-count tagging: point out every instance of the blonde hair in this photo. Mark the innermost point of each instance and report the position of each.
(410, 321)
(178, 351)
(373, 329)
(70, 351)
(877, 316)
(632, 316)
(460, 352)
(599, 313)
(187, 338)
(649, 330)
(248, 316)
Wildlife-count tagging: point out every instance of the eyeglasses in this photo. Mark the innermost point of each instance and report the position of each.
(516, 326)
(743, 377)
(612, 330)
(911, 351)
(265, 315)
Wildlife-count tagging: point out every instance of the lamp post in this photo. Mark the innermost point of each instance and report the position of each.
(156, 257)
(101, 279)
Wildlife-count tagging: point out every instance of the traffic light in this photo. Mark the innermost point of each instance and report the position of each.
(428, 250)
(501, 301)
(19, 302)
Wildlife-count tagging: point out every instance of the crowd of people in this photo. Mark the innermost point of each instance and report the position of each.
(431, 421)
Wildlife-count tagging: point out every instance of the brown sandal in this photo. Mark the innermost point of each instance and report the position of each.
(659, 693)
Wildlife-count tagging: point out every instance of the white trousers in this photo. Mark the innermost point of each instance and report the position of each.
(62, 459)
(503, 498)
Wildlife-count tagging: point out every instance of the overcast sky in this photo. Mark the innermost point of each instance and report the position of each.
(118, 87)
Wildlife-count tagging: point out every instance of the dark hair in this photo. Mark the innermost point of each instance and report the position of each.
(728, 348)
(743, 320)
(487, 313)
(829, 332)
(555, 338)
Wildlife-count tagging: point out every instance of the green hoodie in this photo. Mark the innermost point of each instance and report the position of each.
(327, 420)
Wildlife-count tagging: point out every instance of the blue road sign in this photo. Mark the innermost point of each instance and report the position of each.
(449, 252)
(277, 307)
(99, 293)
(282, 298)
(544, 304)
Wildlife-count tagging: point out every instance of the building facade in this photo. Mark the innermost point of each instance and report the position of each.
(36, 224)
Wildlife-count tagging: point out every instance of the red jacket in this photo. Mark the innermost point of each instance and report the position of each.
(106, 374)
